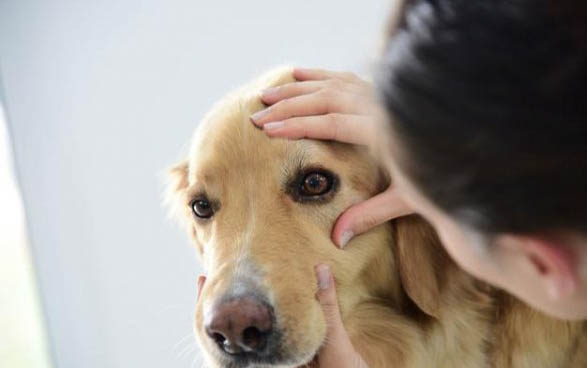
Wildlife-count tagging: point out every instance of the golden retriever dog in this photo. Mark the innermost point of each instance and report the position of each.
(260, 213)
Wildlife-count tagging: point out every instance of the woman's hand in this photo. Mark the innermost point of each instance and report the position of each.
(338, 352)
(333, 106)
(323, 105)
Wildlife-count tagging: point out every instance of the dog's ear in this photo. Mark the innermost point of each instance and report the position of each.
(421, 262)
(176, 183)
(178, 176)
(175, 199)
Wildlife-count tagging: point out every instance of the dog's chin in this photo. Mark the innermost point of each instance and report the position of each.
(281, 360)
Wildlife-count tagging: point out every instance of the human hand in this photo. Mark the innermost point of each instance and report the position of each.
(338, 352)
(321, 104)
(337, 106)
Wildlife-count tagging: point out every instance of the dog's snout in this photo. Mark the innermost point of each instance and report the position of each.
(241, 325)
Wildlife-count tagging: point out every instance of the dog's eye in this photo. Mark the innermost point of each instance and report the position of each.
(202, 208)
(315, 184)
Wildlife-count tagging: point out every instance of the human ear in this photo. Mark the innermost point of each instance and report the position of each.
(552, 260)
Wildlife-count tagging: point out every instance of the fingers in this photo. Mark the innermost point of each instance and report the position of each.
(275, 94)
(321, 105)
(338, 351)
(333, 126)
(303, 105)
(368, 214)
(317, 103)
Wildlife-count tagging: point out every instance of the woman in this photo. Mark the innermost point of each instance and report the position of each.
(485, 136)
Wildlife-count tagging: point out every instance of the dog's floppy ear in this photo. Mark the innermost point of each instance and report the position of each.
(175, 186)
(421, 262)
(178, 176)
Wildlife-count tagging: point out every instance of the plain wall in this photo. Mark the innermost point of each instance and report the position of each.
(101, 97)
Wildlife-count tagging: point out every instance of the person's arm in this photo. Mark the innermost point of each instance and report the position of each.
(333, 106)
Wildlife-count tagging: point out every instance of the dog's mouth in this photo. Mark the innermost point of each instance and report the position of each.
(251, 360)
(273, 355)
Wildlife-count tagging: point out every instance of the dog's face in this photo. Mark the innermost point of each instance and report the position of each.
(260, 212)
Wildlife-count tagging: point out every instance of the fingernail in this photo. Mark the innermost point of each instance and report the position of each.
(273, 125)
(269, 92)
(347, 235)
(323, 272)
(259, 114)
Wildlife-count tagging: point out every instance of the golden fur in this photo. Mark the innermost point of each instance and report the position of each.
(403, 301)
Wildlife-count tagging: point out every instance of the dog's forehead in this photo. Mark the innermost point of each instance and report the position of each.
(228, 141)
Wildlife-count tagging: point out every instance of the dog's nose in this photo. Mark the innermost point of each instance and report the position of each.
(241, 325)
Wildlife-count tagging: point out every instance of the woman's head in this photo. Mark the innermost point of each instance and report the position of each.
(488, 118)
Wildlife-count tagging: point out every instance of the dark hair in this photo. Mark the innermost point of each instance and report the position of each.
(487, 101)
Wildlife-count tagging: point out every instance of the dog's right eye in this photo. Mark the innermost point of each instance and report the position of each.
(202, 208)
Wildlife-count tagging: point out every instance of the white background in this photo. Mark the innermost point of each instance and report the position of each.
(101, 96)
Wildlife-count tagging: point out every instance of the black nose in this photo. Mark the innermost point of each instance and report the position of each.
(241, 325)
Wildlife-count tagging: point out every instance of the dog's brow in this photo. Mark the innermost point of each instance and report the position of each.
(296, 158)
(201, 180)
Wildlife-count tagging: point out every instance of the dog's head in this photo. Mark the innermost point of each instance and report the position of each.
(260, 212)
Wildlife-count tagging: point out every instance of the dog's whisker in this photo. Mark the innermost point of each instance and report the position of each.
(183, 340)
(187, 350)
(185, 346)
(198, 360)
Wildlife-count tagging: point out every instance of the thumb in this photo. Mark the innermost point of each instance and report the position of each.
(338, 352)
(327, 298)
(361, 217)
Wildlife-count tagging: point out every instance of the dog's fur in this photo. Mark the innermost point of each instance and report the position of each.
(403, 301)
